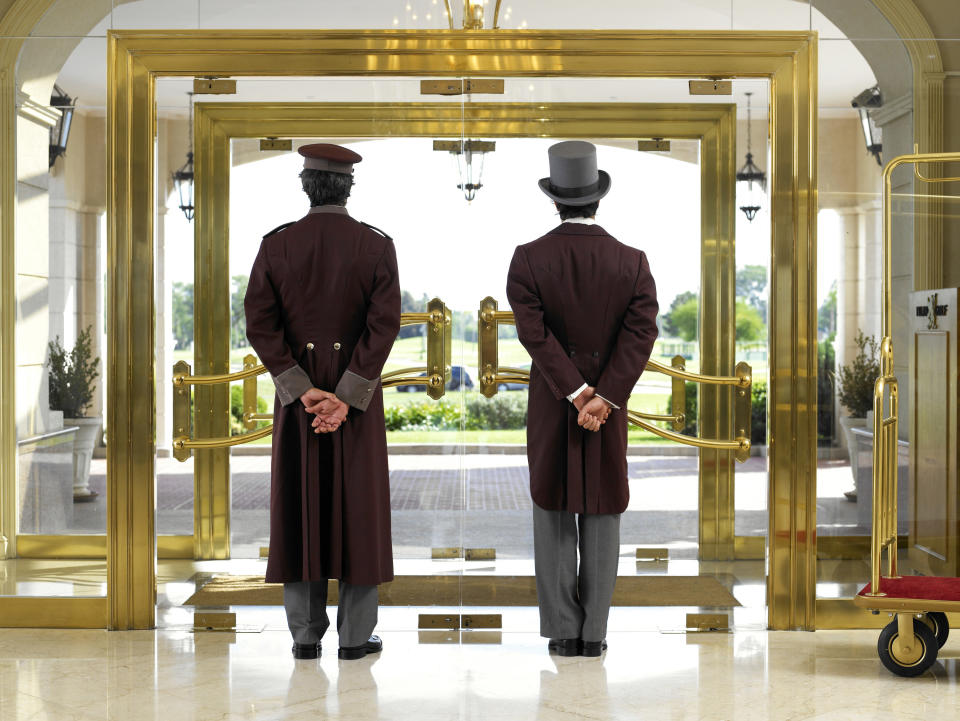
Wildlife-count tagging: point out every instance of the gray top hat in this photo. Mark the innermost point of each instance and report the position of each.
(574, 178)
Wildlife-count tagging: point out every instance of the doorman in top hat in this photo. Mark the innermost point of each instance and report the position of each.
(586, 308)
(323, 311)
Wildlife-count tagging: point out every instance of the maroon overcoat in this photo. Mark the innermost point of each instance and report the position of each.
(323, 310)
(586, 310)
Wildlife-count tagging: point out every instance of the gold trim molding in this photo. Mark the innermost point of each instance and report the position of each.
(94, 546)
(53, 612)
(928, 78)
(8, 304)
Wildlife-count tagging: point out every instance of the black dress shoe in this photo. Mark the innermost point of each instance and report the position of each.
(352, 653)
(306, 650)
(564, 646)
(592, 648)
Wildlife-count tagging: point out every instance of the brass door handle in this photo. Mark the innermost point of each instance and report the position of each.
(434, 376)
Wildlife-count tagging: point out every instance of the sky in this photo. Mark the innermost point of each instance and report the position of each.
(460, 251)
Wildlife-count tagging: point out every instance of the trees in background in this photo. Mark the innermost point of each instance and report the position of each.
(238, 319)
(182, 321)
(750, 285)
(682, 318)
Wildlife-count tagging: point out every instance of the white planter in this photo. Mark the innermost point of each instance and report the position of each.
(848, 424)
(88, 429)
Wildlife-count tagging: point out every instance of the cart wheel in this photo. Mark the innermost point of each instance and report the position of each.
(897, 661)
(937, 621)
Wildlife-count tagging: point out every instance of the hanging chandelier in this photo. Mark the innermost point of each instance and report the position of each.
(751, 181)
(473, 11)
(183, 177)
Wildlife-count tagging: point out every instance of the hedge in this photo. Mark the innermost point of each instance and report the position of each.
(758, 411)
(502, 412)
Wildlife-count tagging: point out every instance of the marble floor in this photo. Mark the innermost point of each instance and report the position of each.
(177, 675)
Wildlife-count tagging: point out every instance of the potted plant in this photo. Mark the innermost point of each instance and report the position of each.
(856, 381)
(72, 385)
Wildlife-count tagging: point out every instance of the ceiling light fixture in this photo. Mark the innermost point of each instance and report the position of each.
(751, 181)
(60, 133)
(183, 177)
(866, 101)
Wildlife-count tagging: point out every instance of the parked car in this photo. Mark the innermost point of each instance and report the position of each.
(458, 376)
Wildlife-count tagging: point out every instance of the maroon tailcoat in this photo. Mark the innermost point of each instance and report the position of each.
(586, 310)
(323, 310)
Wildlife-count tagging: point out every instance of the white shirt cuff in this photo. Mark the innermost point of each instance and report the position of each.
(577, 392)
(608, 402)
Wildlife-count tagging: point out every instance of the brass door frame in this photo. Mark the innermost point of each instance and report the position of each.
(713, 125)
(137, 59)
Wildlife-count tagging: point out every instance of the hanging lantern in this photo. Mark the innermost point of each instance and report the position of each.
(751, 181)
(60, 133)
(872, 134)
(466, 152)
(183, 176)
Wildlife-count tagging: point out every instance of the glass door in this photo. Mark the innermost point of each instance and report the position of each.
(459, 486)
(53, 499)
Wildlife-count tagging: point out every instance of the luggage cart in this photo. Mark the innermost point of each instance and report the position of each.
(908, 645)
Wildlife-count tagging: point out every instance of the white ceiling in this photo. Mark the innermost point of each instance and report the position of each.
(844, 72)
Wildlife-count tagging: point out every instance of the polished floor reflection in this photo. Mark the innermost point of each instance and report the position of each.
(95, 675)
(53, 577)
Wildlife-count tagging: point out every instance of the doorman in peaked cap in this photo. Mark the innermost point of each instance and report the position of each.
(585, 308)
(323, 311)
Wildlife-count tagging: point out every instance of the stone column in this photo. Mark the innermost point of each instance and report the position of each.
(32, 263)
(896, 118)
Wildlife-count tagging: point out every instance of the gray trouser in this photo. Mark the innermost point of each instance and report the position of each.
(575, 604)
(306, 605)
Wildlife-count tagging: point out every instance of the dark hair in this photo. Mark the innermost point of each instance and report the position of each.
(326, 188)
(578, 211)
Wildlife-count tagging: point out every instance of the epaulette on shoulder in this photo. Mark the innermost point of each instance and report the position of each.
(279, 228)
(376, 229)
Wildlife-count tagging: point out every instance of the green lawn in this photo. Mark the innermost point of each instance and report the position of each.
(634, 436)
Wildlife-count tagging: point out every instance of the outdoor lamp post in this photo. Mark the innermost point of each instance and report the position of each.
(183, 176)
(872, 134)
(60, 133)
(751, 181)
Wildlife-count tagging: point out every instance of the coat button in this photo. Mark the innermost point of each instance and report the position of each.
(596, 354)
(309, 346)
(572, 353)
(336, 346)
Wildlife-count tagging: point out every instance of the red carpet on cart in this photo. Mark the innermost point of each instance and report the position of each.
(929, 588)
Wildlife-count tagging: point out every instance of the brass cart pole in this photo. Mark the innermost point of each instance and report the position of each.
(886, 427)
